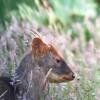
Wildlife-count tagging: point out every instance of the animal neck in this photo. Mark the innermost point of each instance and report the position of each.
(33, 86)
(31, 74)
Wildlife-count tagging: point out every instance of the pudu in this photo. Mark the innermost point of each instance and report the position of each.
(41, 65)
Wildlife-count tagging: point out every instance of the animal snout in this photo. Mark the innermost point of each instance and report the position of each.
(72, 75)
(69, 76)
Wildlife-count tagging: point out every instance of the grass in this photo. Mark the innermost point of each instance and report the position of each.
(81, 55)
(80, 45)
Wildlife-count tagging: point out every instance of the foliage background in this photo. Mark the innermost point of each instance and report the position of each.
(71, 25)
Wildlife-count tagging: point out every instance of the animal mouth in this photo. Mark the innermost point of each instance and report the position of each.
(67, 78)
(54, 78)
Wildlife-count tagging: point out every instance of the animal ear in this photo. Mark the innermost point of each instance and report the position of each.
(39, 47)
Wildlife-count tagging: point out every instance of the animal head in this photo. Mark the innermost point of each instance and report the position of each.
(48, 57)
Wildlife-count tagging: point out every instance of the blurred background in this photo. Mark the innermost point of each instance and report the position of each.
(72, 26)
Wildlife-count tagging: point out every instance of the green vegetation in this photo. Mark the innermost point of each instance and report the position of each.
(56, 14)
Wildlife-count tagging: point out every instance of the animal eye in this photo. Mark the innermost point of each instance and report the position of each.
(58, 61)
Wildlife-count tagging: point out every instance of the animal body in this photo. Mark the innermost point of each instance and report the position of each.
(41, 65)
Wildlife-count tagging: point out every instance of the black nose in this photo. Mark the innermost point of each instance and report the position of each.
(72, 75)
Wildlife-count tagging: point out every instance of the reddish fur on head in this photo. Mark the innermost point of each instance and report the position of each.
(54, 52)
(39, 48)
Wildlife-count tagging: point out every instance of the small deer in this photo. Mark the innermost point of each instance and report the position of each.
(41, 65)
